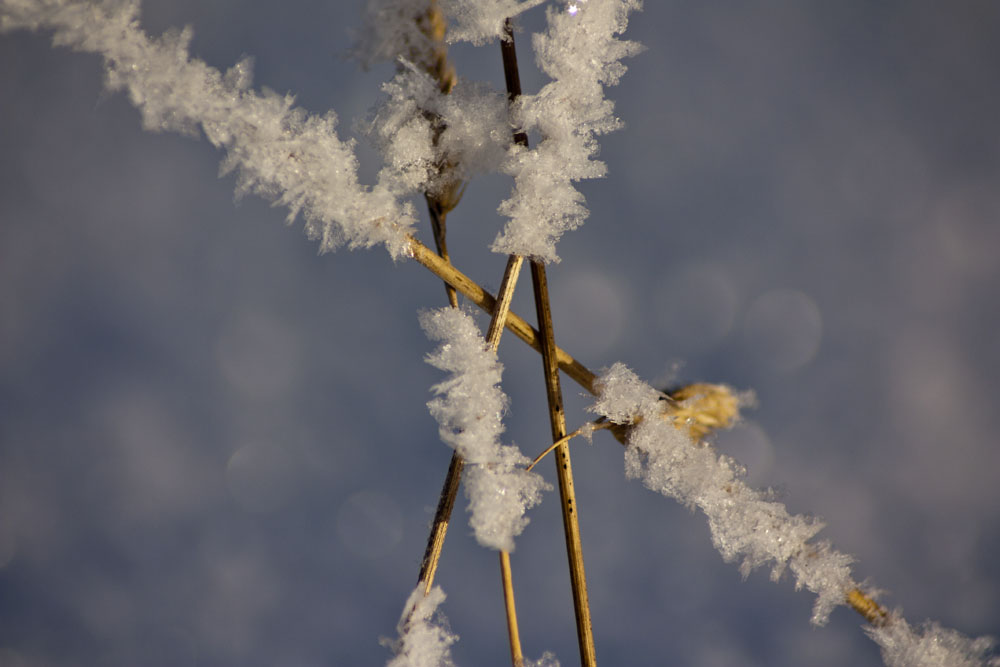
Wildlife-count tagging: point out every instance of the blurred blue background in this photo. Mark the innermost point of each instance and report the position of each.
(214, 446)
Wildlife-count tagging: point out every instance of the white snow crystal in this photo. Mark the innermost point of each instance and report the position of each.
(392, 29)
(278, 151)
(580, 53)
(548, 659)
(468, 408)
(934, 646)
(481, 21)
(745, 523)
(475, 131)
(424, 638)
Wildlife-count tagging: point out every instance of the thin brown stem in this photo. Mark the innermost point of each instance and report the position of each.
(439, 529)
(593, 426)
(438, 218)
(439, 202)
(557, 415)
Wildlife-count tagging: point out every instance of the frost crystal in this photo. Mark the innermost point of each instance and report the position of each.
(468, 409)
(745, 523)
(933, 647)
(424, 638)
(402, 132)
(394, 29)
(481, 21)
(474, 131)
(277, 151)
(580, 53)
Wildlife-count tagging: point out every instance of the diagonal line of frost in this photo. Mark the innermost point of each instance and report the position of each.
(277, 151)
(746, 524)
(468, 407)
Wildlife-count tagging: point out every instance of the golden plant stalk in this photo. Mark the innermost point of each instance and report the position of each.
(500, 311)
(557, 416)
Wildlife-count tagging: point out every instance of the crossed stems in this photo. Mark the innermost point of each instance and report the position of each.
(439, 204)
(861, 602)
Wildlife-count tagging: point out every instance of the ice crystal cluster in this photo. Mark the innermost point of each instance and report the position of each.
(746, 524)
(934, 646)
(471, 123)
(424, 638)
(482, 21)
(580, 53)
(468, 408)
(276, 150)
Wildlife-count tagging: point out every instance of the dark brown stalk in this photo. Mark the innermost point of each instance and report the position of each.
(440, 200)
(557, 416)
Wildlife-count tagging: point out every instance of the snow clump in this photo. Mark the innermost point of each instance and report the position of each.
(468, 407)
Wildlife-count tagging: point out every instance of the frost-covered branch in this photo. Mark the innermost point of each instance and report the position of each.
(468, 408)
(581, 54)
(579, 51)
(747, 524)
(276, 150)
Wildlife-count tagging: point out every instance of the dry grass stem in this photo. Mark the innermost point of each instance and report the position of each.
(553, 391)
(513, 634)
(501, 307)
(564, 469)
(435, 62)
(592, 426)
(517, 324)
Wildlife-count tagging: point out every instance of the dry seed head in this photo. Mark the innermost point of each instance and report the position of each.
(700, 408)
(435, 62)
(703, 408)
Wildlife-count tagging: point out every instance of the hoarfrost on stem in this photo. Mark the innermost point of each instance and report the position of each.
(424, 637)
(468, 408)
(482, 21)
(934, 646)
(393, 29)
(277, 151)
(474, 132)
(745, 523)
(581, 54)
